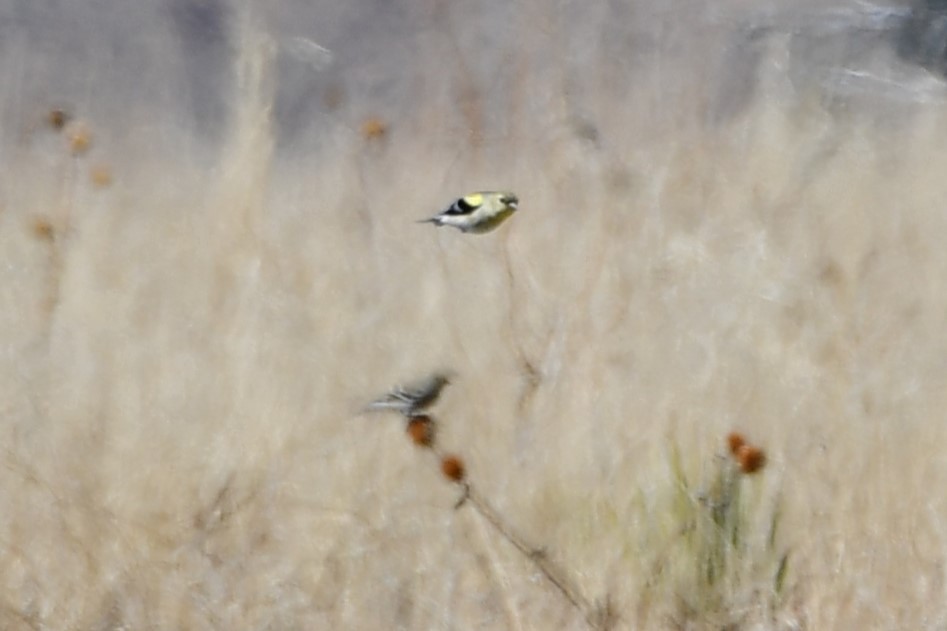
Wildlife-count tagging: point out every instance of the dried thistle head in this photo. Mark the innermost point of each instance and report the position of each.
(43, 229)
(80, 138)
(453, 468)
(421, 430)
(101, 176)
(57, 118)
(373, 128)
(735, 440)
(750, 459)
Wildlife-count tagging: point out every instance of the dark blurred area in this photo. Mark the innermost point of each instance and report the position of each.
(204, 30)
(171, 62)
(922, 38)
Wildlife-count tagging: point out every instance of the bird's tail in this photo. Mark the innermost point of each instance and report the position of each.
(379, 406)
(434, 220)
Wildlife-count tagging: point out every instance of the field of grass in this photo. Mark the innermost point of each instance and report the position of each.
(190, 327)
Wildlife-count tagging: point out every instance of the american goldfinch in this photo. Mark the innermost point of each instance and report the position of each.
(477, 212)
(412, 398)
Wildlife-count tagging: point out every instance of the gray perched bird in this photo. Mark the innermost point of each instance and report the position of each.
(477, 212)
(413, 398)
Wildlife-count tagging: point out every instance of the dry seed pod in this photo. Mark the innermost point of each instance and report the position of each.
(374, 128)
(735, 440)
(101, 176)
(453, 468)
(57, 118)
(43, 229)
(421, 430)
(750, 459)
(80, 139)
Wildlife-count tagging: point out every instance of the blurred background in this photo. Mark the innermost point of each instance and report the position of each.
(732, 218)
(513, 68)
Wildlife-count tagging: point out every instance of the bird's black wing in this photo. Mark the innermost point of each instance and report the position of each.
(462, 207)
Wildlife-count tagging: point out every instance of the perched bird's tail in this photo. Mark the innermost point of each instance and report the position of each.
(409, 400)
(381, 404)
(434, 220)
